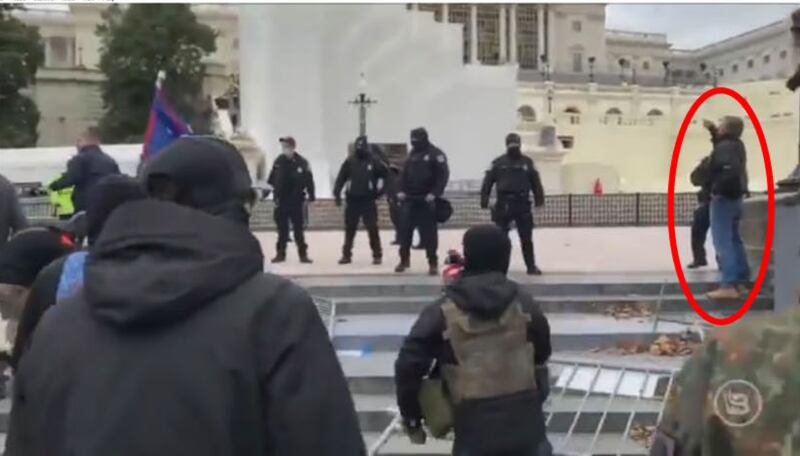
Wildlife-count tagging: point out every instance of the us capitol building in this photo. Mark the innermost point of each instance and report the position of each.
(615, 98)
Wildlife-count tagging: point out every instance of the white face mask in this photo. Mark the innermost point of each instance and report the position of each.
(287, 151)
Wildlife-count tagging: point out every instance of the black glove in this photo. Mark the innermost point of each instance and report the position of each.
(484, 205)
(338, 202)
(542, 374)
(416, 434)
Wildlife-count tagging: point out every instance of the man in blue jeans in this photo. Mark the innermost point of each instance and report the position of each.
(728, 182)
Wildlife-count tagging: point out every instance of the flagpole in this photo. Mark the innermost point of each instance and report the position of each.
(160, 78)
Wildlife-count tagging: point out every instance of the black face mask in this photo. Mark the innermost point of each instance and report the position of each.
(514, 151)
(362, 153)
(419, 139)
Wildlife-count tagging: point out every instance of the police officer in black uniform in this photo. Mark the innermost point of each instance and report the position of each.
(292, 183)
(422, 181)
(516, 178)
(365, 176)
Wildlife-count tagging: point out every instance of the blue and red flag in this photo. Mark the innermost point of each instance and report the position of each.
(163, 126)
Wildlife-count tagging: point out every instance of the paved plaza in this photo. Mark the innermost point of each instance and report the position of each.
(558, 250)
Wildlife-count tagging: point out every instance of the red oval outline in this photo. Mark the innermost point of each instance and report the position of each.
(676, 260)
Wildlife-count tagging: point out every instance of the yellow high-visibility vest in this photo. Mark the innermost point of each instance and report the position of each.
(62, 201)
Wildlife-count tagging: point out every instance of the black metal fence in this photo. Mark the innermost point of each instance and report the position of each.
(622, 209)
(619, 209)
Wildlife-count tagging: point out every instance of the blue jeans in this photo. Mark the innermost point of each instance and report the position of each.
(725, 216)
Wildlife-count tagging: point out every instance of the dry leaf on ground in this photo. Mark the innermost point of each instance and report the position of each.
(642, 435)
(675, 345)
(626, 311)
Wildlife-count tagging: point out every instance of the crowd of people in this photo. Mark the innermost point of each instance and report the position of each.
(165, 336)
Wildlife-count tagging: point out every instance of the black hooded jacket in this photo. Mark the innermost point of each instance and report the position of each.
(484, 296)
(193, 352)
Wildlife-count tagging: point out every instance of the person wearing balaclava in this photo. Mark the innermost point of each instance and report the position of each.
(364, 175)
(498, 340)
(516, 179)
(179, 343)
(293, 184)
(422, 182)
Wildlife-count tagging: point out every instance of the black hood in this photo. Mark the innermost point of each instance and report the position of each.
(484, 296)
(157, 262)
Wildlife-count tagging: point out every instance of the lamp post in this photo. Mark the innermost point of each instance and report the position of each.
(622, 63)
(545, 70)
(363, 102)
(665, 63)
(591, 69)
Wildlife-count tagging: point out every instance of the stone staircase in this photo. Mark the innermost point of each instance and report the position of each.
(600, 395)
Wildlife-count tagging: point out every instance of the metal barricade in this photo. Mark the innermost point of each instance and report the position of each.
(593, 407)
(327, 311)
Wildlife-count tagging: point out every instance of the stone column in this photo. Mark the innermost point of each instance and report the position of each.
(473, 34)
(513, 33)
(445, 13)
(540, 38)
(550, 32)
(502, 33)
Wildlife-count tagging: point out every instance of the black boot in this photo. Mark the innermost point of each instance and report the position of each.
(402, 267)
(534, 270)
(304, 258)
(345, 260)
(377, 261)
(698, 263)
(433, 269)
(280, 257)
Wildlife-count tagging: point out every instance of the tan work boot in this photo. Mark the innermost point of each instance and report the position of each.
(743, 290)
(723, 293)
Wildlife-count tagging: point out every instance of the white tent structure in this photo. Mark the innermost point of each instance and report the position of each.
(44, 164)
(301, 64)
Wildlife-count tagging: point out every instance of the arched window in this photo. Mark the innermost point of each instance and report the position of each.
(574, 115)
(613, 115)
(654, 113)
(526, 113)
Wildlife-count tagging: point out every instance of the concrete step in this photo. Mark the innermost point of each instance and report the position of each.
(385, 303)
(613, 284)
(363, 334)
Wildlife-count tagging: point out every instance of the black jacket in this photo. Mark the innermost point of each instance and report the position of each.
(514, 176)
(28, 252)
(425, 171)
(291, 179)
(700, 177)
(12, 217)
(728, 168)
(83, 171)
(179, 345)
(366, 177)
(484, 296)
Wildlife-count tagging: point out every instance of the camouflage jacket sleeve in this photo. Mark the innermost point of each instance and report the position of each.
(738, 394)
